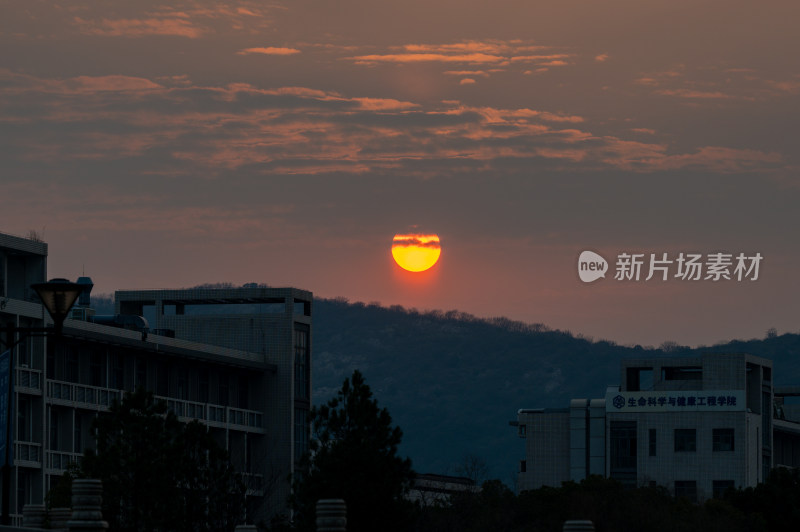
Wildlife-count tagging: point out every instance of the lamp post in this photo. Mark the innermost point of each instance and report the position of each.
(58, 297)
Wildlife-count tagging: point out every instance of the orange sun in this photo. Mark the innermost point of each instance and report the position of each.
(416, 253)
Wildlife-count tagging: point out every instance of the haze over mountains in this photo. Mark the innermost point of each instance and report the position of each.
(452, 382)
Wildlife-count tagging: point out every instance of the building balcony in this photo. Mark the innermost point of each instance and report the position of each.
(215, 415)
(28, 454)
(82, 396)
(57, 462)
(96, 398)
(28, 380)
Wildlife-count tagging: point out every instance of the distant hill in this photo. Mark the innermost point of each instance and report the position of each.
(452, 382)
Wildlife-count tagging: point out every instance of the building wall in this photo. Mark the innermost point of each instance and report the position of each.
(631, 434)
(703, 465)
(249, 382)
(274, 323)
(24, 262)
(547, 448)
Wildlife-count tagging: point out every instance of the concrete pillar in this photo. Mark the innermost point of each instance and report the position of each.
(331, 515)
(33, 515)
(87, 501)
(59, 518)
(578, 526)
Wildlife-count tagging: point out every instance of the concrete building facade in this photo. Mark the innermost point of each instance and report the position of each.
(246, 376)
(694, 425)
(272, 325)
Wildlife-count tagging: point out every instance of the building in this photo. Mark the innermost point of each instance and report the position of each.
(238, 360)
(272, 325)
(430, 489)
(695, 425)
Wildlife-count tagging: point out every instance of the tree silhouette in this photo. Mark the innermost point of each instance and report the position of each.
(160, 474)
(354, 457)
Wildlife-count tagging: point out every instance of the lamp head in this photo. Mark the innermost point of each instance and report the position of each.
(58, 297)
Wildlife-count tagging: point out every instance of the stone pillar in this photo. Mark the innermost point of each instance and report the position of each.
(33, 515)
(87, 501)
(59, 518)
(578, 526)
(331, 515)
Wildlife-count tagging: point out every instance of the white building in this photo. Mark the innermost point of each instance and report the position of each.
(694, 425)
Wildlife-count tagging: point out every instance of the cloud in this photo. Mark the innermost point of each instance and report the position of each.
(111, 83)
(695, 94)
(417, 240)
(643, 157)
(554, 63)
(191, 19)
(790, 86)
(269, 51)
(467, 81)
(383, 104)
(466, 73)
(476, 58)
(179, 27)
(493, 52)
(15, 83)
(180, 127)
(601, 58)
(541, 59)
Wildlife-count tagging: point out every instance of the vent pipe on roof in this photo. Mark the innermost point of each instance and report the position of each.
(85, 299)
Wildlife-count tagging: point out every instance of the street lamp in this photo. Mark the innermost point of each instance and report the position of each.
(58, 297)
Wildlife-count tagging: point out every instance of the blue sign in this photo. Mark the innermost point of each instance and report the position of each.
(676, 401)
(5, 375)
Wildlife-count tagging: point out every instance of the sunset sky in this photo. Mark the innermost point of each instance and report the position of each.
(288, 142)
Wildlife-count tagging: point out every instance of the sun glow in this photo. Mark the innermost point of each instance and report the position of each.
(416, 253)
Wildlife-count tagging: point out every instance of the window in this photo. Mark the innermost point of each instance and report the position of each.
(162, 379)
(77, 434)
(141, 373)
(54, 430)
(652, 442)
(244, 392)
(721, 486)
(301, 432)
(222, 390)
(302, 389)
(96, 369)
(523, 466)
(24, 426)
(685, 373)
(686, 489)
(119, 373)
(202, 390)
(623, 449)
(722, 440)
(639, 379)
(72, 365)
(522, 431)
(51, 361)
(685, 440)
(182, 382)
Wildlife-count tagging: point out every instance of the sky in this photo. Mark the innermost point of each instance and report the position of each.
(165, 145)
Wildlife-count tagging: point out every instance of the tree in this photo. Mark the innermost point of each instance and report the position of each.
(160, 474)
(354, 457)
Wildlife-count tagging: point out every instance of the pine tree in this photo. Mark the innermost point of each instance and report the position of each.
(161, 474)
(354, 457)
